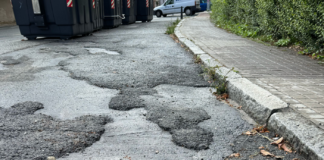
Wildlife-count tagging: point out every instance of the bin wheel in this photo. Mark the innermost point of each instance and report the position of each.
(164, 15)
(158, 14)
(149, 21)
(31, 38)
(188, 12)
(143, 21)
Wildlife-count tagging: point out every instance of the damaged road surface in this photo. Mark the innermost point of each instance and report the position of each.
(126, 93)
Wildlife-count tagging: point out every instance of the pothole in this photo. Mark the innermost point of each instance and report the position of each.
(101, 50)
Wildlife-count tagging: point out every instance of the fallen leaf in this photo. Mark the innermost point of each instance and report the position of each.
(248, 133)
(295, 159)
(234, 155)
(277, 141)
(285, 148)
(266, 153)
(261, 147)
(279, 145)
(258, 128)
(225, 96)
(264, 130)
(239, 107)
(279, 157)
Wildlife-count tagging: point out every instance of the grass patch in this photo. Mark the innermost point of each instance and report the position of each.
(172, 26)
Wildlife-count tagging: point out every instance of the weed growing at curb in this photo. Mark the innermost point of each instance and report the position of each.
(219, 82)
(172, 26)
(198, 59)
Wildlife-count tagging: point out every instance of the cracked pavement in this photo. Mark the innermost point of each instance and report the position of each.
(159, 105)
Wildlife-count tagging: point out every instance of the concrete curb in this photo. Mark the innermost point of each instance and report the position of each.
(265, 107)
(256, 101)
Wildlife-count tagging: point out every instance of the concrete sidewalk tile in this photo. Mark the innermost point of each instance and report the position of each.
(298, 106)
(313, 105)
(316, 116)
(306, 110)
(320, 110)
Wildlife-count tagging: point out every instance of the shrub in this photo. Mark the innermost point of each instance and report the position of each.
(288, 21)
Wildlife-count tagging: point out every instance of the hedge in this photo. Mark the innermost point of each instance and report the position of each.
(299, 21)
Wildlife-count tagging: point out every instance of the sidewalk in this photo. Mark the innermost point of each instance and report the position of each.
(296, 79)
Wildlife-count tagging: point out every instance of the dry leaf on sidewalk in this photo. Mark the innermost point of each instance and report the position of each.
(278, 141)
(266, 153)
(236, 155)
(240, 107)
(261, 147)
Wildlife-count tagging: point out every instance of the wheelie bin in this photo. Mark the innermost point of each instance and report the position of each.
(144, 10)
(97, 14)
(53, 18)
(129, 11)
(113, 13)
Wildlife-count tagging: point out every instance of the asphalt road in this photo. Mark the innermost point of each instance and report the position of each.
(126, 93)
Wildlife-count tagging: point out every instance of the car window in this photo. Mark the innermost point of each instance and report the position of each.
(169, 2)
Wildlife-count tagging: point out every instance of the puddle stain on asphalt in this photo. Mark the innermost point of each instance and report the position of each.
(101, 50)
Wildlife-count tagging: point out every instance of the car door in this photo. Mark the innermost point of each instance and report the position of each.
(168, 7)
(177, 6)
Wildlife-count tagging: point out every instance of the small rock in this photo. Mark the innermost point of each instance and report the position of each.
(156, 152)
(51, 158)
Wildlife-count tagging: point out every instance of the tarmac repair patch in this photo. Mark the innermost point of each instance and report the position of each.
(25, 135)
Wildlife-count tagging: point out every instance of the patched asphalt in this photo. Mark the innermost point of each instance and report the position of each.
(25, 135)
(161, 106)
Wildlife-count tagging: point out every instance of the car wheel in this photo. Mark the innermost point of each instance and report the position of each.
(158, 13)
(188, 12)
(164, 15)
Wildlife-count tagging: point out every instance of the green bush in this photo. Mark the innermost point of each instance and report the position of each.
(289, 21)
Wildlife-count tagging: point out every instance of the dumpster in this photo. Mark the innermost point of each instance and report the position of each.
(113, 13)
(97, 14)
(144, 10)
(53, 18)
(129, 11)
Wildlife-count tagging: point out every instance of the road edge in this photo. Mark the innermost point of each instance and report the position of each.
(263, 106)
